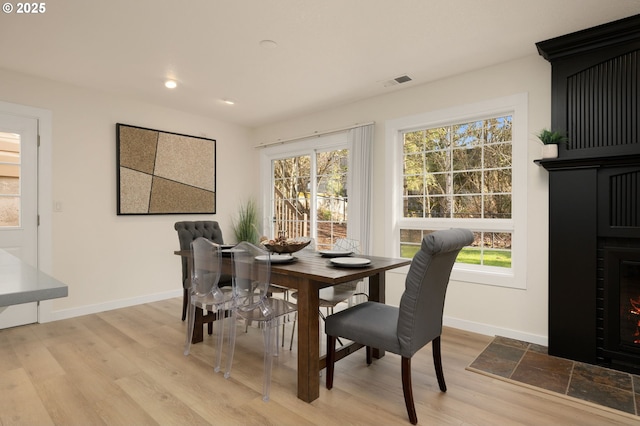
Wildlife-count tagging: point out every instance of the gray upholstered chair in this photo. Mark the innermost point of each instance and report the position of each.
(417, 321)
(188, 231)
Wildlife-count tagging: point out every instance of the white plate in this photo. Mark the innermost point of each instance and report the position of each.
(231, 250)
(350, 262)
(278, 258)
(335, 253)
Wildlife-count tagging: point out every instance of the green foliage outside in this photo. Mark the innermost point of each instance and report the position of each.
(459, 171)
(468, 255)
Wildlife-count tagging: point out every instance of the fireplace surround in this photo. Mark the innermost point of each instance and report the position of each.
(594, 195)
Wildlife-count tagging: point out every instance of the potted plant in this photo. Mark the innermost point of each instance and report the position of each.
(245, 226)
(550, 141)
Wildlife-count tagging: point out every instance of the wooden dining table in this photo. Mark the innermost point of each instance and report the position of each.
(307, 274)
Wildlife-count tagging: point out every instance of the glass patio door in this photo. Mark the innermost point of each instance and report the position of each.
(309, 196)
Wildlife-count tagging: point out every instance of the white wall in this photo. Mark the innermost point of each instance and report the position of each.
(486, 309)
(110, 261)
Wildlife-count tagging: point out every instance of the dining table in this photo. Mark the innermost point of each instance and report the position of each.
(307, 273)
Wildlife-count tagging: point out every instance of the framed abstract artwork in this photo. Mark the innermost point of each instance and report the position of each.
(164, 173)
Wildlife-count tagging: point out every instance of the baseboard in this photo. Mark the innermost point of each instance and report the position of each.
(475, 327)
(107, 306)
(490, 330)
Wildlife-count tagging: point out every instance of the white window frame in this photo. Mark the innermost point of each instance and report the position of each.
(311, 146)
(515, 105)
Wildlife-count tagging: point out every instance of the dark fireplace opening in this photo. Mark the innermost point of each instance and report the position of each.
(630, 306)
(621, 313)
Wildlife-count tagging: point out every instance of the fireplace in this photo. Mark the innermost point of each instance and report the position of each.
(620, 337)
(594, 196)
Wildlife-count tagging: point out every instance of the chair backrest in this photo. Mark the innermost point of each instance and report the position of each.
(347, 244)
(189, 231)
(207, 266)
(251, 278)
(422, 303)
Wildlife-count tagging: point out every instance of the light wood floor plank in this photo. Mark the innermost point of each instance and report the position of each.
(65, 403)
(127, 367)
(20, 403)
(159, 402)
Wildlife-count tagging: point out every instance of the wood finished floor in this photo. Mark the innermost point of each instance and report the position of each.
(126, 367)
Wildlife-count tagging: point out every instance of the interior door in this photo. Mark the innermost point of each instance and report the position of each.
(19, 203)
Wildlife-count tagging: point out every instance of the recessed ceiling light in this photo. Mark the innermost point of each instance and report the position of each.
(170, 84)
(228, 101)
(268, 44)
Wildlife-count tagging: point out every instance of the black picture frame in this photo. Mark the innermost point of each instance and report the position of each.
(161, 172)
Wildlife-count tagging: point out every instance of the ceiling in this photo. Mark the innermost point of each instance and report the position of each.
(328, 52)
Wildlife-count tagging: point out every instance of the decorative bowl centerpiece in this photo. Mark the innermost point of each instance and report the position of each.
(282, 245)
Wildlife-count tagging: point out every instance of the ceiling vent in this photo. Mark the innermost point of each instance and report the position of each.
(397, 80)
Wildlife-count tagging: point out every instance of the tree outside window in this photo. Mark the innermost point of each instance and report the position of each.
(460, 171)
(294, 198)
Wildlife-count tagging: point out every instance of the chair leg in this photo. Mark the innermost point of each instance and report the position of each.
(232, 343)
(437, 362)
(331, 359)
(369, 351)
(293, 330)
(190, 327)
(286, 297)
(220, 320)
(268, 333)
(407, 390)
(283, 335)
(185, 302)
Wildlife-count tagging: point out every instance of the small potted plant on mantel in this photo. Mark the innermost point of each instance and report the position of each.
(550, 141)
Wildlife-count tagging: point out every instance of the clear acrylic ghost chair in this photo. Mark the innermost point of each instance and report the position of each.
(205, 293)
(251, 279)
(331, 296)
(274, 288)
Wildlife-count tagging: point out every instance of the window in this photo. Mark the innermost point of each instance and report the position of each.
(460, 171)
(461, 168)
(10, 167)
(299, 208)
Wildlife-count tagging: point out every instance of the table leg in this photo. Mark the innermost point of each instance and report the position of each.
(200, 320)
(377, 290)
(308, 342)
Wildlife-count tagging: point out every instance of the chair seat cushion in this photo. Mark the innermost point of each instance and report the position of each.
(371, 323)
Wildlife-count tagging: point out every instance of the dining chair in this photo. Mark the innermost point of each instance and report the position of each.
(330, 297)
(417, 321)
(285, 291)
(187, 232)
(251, 280)
(205, 292)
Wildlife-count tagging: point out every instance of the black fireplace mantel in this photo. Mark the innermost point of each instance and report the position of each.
(596, 103)
(588, 162)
